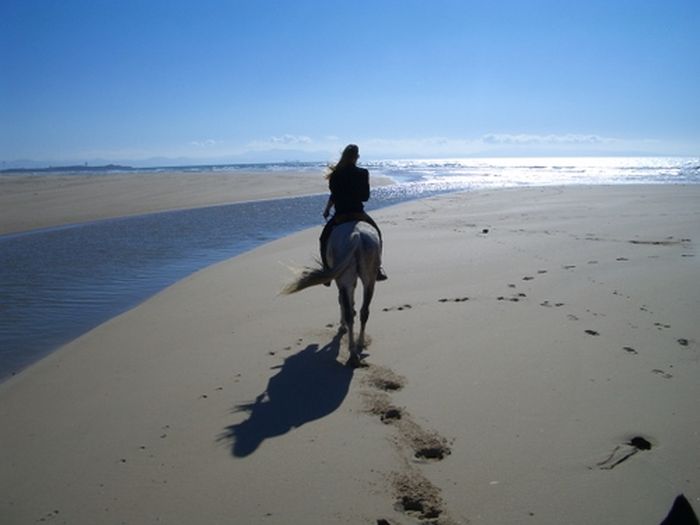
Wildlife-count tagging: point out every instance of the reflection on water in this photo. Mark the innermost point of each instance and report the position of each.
(58, 283)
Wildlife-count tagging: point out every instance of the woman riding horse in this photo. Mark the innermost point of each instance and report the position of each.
(349, 187)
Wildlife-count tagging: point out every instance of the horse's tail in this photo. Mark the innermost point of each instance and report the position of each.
(315, 276)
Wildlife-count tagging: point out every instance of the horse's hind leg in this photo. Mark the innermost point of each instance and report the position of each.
(347, 314)
(368, 292)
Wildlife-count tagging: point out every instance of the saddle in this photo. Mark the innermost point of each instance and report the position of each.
(360, 216)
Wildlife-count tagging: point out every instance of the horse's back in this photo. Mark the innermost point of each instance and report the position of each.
(360, 237)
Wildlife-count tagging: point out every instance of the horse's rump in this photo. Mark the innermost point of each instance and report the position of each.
(354, 237)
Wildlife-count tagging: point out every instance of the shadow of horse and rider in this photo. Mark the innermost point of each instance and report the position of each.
(309, 385)
(313, 383)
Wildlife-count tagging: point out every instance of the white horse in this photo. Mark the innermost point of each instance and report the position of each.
(354, 250)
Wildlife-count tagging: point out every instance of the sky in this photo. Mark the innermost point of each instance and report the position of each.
(148, 82)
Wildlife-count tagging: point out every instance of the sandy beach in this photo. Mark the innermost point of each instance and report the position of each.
(38, 201)
(534, 358)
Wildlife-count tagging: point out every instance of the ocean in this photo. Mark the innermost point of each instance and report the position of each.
(58, 283)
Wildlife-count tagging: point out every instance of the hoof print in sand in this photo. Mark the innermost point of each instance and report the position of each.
(591, 332)
(547, 304)
(625, 451)
(453, 300)
(417, 497)
(436, 453)
(390, 415)
(384, 379)
(397, 308)
(513, 299)
(388, 385)
(426, 445)
(661, 373)
(683, 342)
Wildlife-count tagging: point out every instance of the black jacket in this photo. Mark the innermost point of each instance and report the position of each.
(349, 189)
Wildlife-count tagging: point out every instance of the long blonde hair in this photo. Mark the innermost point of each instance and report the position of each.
(347, 158)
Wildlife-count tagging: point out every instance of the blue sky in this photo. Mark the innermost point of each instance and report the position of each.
(208, 81)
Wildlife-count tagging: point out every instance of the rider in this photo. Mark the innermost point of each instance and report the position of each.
(349, 187)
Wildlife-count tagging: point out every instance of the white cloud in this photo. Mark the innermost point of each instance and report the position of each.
(328, 147)
(208, 143)
(419, 147)
(552, 139)
(288, 139)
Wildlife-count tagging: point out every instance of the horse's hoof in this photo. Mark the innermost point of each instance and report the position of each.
(355, 362)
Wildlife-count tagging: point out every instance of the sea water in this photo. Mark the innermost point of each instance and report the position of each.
(58, 283)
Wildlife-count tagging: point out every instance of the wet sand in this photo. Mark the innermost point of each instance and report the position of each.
(38, 201)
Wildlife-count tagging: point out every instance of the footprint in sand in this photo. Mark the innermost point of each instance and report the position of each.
(453, 300)
(662, 373)
(591, 332)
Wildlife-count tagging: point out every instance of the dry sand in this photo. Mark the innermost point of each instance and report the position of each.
(538, 349)
(36, 201)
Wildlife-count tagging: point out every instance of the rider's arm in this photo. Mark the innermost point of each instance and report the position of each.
(329, 205)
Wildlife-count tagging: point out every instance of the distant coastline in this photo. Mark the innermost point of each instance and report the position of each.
(111, 168)
(79, 167)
